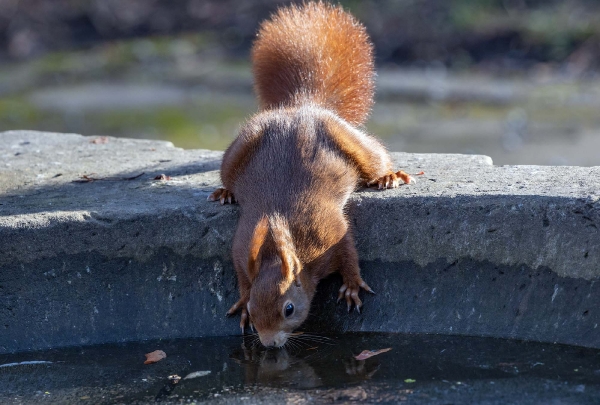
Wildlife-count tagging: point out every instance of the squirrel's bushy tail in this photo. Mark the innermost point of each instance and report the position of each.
(315, 52)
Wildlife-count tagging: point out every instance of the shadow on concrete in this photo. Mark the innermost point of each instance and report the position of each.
(97, 191)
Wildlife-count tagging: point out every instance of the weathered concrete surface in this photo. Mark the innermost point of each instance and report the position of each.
(472, 248)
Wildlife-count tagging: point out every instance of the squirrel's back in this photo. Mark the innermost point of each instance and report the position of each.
(317, 53)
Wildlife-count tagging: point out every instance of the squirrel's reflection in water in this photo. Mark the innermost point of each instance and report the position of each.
(301, 368)
(275, 367)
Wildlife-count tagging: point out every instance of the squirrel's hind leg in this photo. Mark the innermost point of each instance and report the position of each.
(235, 159)
(366, 153)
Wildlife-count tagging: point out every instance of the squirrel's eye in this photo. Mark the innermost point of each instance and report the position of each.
(289, 310)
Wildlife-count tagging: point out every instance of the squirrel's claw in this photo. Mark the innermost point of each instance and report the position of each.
(350, 292)
(391, 180)
(244, 319)
(405, 177)
(223, 195)
(235, 307)
(365, 287)
(352, 296)
(343, 288)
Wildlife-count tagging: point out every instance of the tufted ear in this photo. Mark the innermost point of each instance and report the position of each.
(257, 241)
(290, 264)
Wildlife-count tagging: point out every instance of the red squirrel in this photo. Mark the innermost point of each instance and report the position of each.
(295, 163)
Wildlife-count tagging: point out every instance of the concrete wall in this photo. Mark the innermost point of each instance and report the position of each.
(471, 249)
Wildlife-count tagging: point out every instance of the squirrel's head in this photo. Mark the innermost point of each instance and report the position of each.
(279, 300)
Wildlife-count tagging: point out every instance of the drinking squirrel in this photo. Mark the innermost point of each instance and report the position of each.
(295, 163)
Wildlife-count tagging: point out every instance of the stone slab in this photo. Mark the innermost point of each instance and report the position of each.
(472, 248)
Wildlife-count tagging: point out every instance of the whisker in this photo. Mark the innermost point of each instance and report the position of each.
(293, 345)
(299, 343)
(316, 338)
(308, 342)
(318, 342)
(314, 334)
(255, 342)
(319, 339)
(293, 338)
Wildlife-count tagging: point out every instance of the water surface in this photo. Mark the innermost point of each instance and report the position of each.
(312, 369)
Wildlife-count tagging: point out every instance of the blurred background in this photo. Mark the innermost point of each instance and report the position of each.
(513, 79)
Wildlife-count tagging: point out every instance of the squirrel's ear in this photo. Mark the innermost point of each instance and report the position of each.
(258, 239)
(290, 265)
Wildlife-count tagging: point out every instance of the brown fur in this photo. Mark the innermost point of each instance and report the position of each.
(295, 163)
(315, 52)
(256, 243)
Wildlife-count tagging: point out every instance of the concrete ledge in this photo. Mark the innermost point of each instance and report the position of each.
(471, 249)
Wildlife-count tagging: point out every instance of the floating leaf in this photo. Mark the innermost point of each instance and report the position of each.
(24, 363)
(196, 374)
(365, 354)
(155, 356)
(410, 381)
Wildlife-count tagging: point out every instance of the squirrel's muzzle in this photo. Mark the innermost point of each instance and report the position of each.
(272, 339)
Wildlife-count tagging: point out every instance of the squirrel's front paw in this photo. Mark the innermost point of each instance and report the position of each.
(391, 180)
(223, 195)
(241, 304)
(350, 290)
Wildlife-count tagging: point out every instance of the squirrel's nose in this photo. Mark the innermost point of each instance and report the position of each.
(276, 340)
(269, 343)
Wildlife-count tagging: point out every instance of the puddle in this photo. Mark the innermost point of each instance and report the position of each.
(315, 369)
